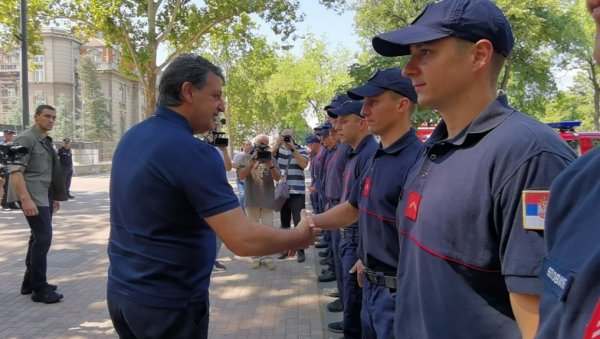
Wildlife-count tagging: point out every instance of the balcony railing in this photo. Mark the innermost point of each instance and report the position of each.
(9, 67)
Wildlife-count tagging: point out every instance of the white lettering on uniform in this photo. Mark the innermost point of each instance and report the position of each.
(556, 278)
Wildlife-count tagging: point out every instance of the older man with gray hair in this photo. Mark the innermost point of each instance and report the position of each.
(259, 172)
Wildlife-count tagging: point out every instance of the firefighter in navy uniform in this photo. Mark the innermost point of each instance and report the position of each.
(570, 305)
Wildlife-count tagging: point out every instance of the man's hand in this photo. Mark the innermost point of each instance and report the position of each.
(56, 206)
(308, 232)
(358, 269)
(1, 190)
(29, 207)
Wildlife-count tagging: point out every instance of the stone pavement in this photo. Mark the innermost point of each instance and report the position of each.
(245, 303)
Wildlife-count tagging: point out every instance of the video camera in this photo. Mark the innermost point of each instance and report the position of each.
(217, 138)
(11, 154)
(263, 154)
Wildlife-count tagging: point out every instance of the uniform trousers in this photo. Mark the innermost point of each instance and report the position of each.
(352, 293)
(40, 240)
(377, 313)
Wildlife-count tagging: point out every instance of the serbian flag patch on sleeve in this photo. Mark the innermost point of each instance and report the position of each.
(534, 209)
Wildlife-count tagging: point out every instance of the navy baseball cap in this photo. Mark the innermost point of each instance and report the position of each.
(349, 107)
(383, 80)
(470, 20)
(311, 139)
(337, 101)
(9, 131)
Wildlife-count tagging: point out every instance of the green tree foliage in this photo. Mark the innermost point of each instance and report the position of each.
(95, 115)
(10, 24)
(141, 26)
(65, 119)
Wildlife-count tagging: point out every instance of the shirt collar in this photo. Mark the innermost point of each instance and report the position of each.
(174, 117)
(398, 145)
(486, 121)
(361, 145)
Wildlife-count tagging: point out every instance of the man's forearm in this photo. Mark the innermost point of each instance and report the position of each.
(17, 181)
(300, 159)
(340, 216)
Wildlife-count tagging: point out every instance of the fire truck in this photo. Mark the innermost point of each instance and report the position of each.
(580, 142)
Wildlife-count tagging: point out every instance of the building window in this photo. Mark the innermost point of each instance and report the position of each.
(122, 93)
(9, 92)
(38, 73)
(39, 98)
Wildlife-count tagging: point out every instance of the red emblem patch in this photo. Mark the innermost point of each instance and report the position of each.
(366, 187)
(593, 327)
(412, 207)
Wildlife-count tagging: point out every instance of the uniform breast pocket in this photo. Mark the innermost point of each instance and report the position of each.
(39, 160)
(557, 278)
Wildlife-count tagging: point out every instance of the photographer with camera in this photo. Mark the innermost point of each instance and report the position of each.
(8, 139)
(37, 183)
(292, 160)
(259, 172)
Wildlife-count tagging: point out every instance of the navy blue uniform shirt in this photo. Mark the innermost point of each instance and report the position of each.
(335, 163)
(376, 196)
(164, 182)
(570, 305)
(359, 161)
(462, 242)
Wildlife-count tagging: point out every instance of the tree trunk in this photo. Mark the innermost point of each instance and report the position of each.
(150, 88)
(505, 76)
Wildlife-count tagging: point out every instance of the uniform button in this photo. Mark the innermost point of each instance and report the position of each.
(432, 157)
(442, 143)
(424, 175)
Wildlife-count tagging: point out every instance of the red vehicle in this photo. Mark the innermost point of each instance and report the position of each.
(423, 132)
(580, 142)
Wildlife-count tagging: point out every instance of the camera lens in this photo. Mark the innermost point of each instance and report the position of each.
(287, 138)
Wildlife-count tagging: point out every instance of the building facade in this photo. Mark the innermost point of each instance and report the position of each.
(53, 75)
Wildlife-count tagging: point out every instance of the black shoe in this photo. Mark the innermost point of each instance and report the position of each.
(283, 255)
(321, 244)
(327, 276)
(71, 196)
(335, 306)
(324, 254)
(301, 256)
(336, 327)
(26, 289)
(326, 261)
(46, 296)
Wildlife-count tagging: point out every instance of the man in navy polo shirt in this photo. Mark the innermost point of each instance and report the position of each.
(389, 102)
(467, 265)
(570, 305)
(353, 131)
(169, 196)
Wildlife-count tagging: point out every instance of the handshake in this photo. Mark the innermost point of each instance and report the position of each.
(307, 232)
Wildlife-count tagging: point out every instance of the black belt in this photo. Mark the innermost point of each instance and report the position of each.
(348, 232)
(381, 279)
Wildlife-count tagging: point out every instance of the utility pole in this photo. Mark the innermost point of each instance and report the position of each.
(24, 68)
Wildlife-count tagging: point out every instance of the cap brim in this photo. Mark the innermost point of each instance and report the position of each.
(398, 42)
(363, 91)
(331, 114)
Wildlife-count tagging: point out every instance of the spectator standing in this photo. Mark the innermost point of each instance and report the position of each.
(259, 189)
(65, 154)
(38, 184)
(292, 159)
(245, 149)
(8, 139)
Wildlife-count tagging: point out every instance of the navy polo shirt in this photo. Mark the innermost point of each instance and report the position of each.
(335, 163)
(462, 242)
(164, 182)
(570, 305)
(359, 161)
(376, 195)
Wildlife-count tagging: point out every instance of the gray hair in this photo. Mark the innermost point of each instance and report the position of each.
(185, 68)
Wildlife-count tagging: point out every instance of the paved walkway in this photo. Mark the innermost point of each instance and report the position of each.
(245, 303)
